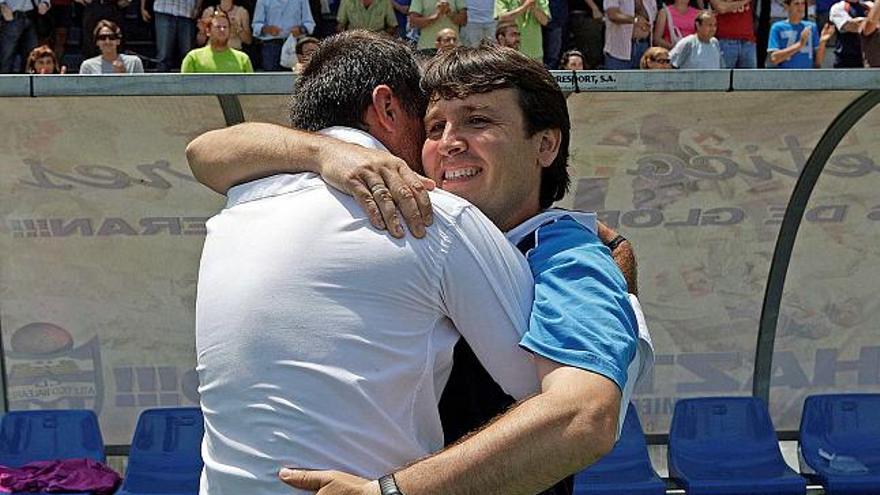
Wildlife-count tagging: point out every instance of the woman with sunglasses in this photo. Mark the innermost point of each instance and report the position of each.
(656, 57)
(108, 36)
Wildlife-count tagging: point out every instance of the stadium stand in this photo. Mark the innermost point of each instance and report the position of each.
(840, 442)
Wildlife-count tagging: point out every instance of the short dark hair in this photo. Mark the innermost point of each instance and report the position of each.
(503, 26)
(336, 87)
(302, 42)
(567, 55)
(464, 71)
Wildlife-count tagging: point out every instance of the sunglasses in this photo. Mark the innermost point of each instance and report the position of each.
(106, 37)
(662, 61)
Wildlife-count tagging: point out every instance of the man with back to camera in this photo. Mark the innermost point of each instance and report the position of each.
(496, 188)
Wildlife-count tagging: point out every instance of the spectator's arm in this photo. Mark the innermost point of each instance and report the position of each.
(594, 8)
(510, 15)
(727, 6)
(871, 22)
(403, 9)
(778, 53)
(390, 20)
(844, 22)
(659, 27)
(246, 35)
(342, 16)
(615, 15)
(459, 17)
(417, 15)
(308, 22)
(679, 56)
(145, 14)
(541, 11)
(188, 66)
(259, 17)
(202, 34)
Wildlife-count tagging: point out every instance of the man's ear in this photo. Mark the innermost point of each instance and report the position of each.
(386, 108)
(549, 142)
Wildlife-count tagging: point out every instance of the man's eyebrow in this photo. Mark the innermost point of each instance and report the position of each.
(464, 109)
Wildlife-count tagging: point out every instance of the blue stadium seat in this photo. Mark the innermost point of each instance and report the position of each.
(27, 436)
(47, 435)
(727, 446)
(840, 442)
(165, 456)
(626, 470)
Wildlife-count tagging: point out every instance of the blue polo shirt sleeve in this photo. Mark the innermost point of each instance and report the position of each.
(581, 315)
(774, 40)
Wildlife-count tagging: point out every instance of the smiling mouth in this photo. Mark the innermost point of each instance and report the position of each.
(461, 174)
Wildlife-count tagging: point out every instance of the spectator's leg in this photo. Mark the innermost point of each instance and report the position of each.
(92, 13)
(470, 34)
(595, 35)
(10, 32)
(729, 52)
(748, 55)
(186, 35)
(164, 46)
(638, 49)
(489, 32)
(271, 57)
(27, 42)
(612, 63)
(552, 46)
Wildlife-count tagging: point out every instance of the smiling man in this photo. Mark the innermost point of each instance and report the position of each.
(499, 138)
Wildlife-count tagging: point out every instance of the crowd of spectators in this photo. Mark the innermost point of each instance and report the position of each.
(276, 35)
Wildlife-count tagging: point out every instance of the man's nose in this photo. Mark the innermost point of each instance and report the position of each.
(451, 142)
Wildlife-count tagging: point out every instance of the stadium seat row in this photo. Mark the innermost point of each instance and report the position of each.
(717, 446)
(728, 446)
(164, 458)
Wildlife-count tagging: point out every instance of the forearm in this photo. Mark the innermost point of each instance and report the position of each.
(540, 15)
(421, 21)
(820, 56)
(459, 18)
(513, 14)
(724, 6)
(779, 56)
(568, 424)
(616, 16)
(225, 157)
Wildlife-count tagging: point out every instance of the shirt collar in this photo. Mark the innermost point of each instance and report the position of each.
(284, 183)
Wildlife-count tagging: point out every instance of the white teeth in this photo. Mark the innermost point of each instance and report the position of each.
(461, 172)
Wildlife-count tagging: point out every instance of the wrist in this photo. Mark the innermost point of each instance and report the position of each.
(388, 485)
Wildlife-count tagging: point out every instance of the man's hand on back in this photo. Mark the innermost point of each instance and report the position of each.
(328, 482)
(381, 183)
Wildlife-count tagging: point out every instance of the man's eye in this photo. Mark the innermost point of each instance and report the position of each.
(478, 120)
(435, 129)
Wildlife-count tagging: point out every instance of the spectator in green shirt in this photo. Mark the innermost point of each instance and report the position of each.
(529, 15)
(433, 16)
(370, 15)
(216, 56)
